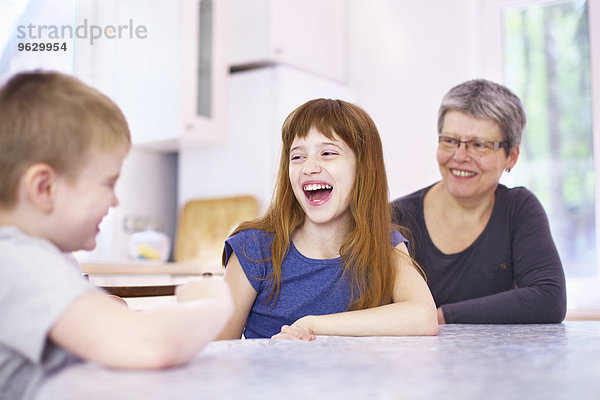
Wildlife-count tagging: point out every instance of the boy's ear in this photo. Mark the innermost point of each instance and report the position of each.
(40, 183)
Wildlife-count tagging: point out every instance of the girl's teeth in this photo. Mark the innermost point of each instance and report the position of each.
(316, 186)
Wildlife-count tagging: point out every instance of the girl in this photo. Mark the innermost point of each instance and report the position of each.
(324, 259)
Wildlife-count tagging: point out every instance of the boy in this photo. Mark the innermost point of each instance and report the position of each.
(62, 144)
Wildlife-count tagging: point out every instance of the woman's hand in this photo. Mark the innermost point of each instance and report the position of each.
(299, 330)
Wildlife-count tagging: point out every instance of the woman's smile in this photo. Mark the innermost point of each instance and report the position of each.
(461, 173)
(466, 175)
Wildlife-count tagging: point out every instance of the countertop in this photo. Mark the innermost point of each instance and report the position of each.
(555, 361)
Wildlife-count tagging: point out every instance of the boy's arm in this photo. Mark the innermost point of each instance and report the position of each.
(413, 312)
(99, 329)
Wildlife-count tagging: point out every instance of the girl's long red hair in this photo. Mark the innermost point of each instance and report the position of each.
(368, 255)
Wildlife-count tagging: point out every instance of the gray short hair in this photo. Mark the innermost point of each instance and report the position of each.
(484, 99)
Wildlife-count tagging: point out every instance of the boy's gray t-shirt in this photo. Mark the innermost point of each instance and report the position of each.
(37, 284)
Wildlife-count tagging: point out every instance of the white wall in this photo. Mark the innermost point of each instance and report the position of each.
(403, 56)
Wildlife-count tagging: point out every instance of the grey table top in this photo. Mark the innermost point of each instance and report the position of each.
(557, 361)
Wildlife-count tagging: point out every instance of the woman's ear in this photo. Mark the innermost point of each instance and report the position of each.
(40, 184)
(511, 160)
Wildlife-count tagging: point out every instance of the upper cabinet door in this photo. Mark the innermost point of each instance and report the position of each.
(204, 71)
(165, 67)
(309, 35)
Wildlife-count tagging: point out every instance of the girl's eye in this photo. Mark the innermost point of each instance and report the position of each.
(295, 157)
(329, 153)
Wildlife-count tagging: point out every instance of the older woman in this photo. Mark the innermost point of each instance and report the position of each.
(486, 249)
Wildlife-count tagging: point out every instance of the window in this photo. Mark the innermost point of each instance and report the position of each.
(547, 63)
(16, 20)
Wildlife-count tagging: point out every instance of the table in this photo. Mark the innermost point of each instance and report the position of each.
(153, 268)
(130, 279)
(557, 361)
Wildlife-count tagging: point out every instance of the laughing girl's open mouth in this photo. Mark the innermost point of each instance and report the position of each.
(317, 192)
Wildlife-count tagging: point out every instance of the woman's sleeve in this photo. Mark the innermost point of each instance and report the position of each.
(539, 295)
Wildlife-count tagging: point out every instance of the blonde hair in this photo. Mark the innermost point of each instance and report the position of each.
(367, 252)
(52, 118)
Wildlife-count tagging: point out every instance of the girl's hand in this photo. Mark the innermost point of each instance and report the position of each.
(299, 330)
(440, 316)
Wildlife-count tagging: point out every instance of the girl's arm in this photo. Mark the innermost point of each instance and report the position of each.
(243, 298)
(413, 312)
(99, 329)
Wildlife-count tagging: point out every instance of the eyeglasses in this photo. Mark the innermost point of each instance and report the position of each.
(476, 146)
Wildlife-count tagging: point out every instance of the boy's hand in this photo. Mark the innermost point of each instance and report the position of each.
(299, 330)
(205, 288)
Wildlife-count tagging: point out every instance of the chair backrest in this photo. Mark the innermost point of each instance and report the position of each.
(204, 225)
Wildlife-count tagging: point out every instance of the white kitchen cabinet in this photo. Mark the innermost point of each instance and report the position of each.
(306, 34)
(248, 31)
(170, 84)
(204, 72)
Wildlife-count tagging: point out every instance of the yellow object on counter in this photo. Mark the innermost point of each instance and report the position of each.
(146, 252)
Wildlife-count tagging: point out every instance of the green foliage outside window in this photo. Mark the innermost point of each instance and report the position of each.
(547, 64)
